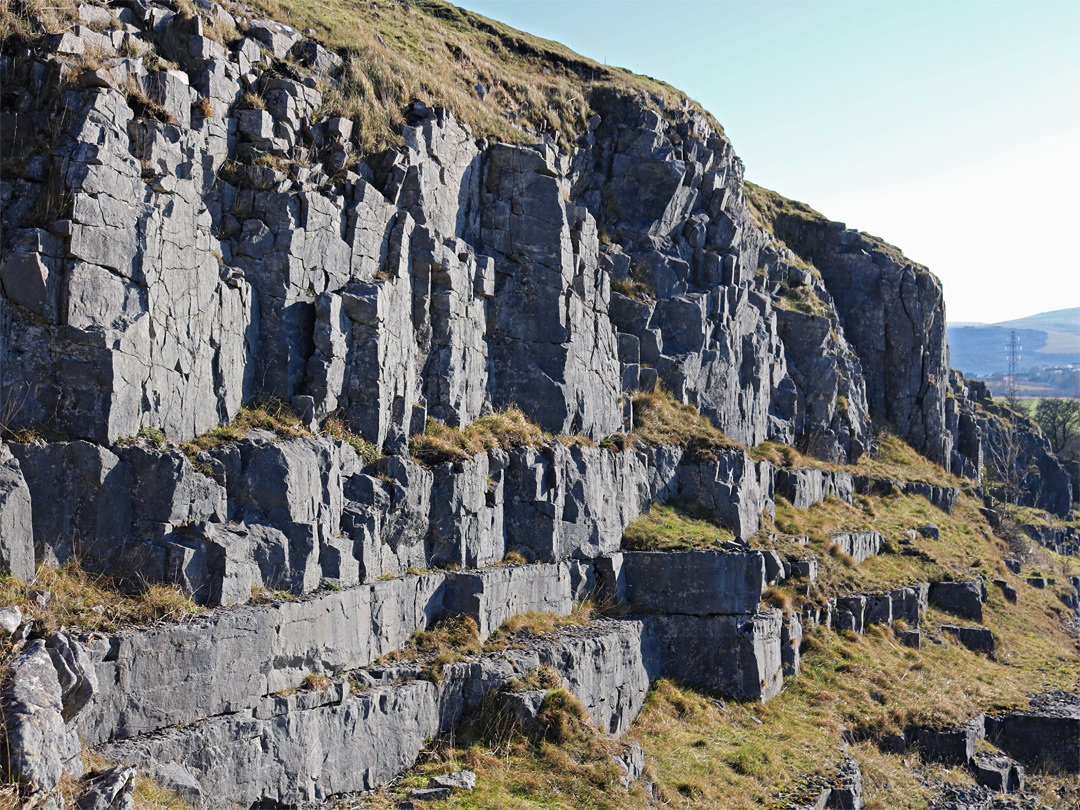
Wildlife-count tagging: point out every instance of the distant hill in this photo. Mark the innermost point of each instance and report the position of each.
(1046, 339)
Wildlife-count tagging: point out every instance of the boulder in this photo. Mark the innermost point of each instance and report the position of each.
(458, 780)
(965, 599)
(976, 639)
(699, 582)
(998, 773)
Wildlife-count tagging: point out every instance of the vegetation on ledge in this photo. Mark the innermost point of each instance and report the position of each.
(673, 527)
(660, 419)
(85, 601)
(505, 429)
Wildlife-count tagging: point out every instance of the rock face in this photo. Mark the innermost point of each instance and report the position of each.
(196, 234)
(16, 521)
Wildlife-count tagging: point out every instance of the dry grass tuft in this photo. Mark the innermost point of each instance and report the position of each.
(778, 598)
(336, 428)
(265, 414)
(316, 681)
(660, 419)
(94, 601)
(505, 429)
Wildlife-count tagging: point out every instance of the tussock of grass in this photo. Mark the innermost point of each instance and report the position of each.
(93, 601)
(781, 455)
(660, 419)
(562, 718)
(673, 526)
(778, 598)
(29, 19)
(535, 623)
(316, 681)
(337, 429)
(505, 429)
(267, 414)
(446, 642)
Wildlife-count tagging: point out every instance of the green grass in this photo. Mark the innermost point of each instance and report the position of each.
(673, 526)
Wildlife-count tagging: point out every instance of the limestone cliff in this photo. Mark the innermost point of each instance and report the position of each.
(192, 232)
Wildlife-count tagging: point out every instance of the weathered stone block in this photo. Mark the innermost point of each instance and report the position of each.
(699, 582)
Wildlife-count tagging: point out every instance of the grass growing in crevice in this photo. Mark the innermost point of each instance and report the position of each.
(674, 526)
(89, 601)
(505, 429)
(802, 298)
(148, 794)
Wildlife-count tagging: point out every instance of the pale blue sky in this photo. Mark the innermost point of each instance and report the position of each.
(948, 127)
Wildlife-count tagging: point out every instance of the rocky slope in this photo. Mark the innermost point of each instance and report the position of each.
(227, 329)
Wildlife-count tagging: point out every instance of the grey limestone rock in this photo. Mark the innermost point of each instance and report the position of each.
(277, 37)
(803, 487)
(93, 519)
(1046, 734)
(631, 762)
(951, 746)
(976, 639)
(998, 773)
(733, 486)
(737, 655)
(109, 789)
(962, 598)
(791, 635)
(458, 780)
(847, 794)
(551, 339)
(16, 519)
(40, 746)
(858, 545)
(699, 582)
(11, 617)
